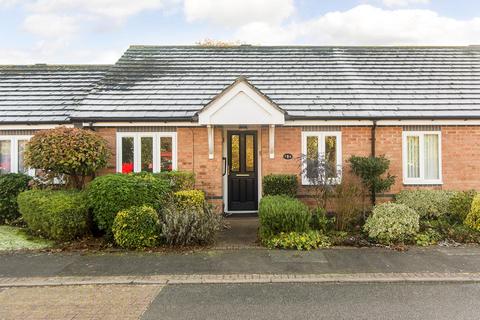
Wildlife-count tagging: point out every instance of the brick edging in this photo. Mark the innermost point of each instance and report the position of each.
(241, 278)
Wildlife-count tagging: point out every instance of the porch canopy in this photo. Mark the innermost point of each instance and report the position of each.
(241, 103)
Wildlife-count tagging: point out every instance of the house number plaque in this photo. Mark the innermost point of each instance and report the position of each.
(287, 156)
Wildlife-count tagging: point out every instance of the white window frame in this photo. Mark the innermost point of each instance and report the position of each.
(321, 139)
(14, 151)
(137, 152)
(421, 139)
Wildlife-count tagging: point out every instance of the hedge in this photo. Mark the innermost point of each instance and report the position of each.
(11, 185)
(280, 184)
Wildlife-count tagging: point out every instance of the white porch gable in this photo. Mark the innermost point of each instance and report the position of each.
(241, 104)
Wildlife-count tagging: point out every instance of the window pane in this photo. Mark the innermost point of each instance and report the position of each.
(312, 157)
(127, 154)
(166, 155)
(250, 153)
(431, 156)
(413, 157)
(21, 157)
(5, 160)
(331, 156)
(146, 156)
(235, 153)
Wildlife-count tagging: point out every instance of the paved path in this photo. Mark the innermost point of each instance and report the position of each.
(246, 261)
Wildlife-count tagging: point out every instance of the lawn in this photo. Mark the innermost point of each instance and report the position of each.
(12, 238)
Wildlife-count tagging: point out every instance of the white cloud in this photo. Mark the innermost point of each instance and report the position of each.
(403, 3)
(50, 25)
(237, 13)
(368, 25)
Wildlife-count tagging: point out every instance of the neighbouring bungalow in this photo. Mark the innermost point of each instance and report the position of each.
(235, 114)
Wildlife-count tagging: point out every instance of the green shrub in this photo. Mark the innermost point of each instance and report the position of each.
(427, 203)
(178, 180)
(459, 205)
(428, 237)
(319, 221)
(109, 194)
(136, 227)
(298, 240)
(280, 184)
(282, 214)
(391, 223)
(57, 215)
(189, 198)
(11, 185)
(189, 225)
(473, 217)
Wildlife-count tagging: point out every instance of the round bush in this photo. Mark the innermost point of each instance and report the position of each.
(57, 215)
(473, 217)
(282, 214)
(136, 227)
(189, 198)
(110, 194)
(391, 223)
(75, 152)
(11, 185)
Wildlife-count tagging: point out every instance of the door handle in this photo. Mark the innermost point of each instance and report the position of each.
(224, 166)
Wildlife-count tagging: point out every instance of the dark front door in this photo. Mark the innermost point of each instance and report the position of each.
(242, 171)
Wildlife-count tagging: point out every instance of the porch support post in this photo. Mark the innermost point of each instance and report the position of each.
(211, 141)
(271, 141)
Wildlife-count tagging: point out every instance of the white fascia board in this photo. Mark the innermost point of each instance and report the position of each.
(328, 123)
(32, 126)
(141, 124)
(241, 104)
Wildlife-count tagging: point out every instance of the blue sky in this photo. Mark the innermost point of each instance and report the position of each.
(98, 31)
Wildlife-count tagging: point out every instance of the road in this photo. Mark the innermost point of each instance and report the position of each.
(245, 301)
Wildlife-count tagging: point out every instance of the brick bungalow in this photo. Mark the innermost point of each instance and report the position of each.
(235, 114)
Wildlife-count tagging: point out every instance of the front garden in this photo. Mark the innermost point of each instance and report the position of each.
(66, 203)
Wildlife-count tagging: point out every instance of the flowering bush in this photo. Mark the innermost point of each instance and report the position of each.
(392, 222)
(189, 198)
(298, 240)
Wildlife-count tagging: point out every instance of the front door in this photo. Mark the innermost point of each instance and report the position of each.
(242, 171)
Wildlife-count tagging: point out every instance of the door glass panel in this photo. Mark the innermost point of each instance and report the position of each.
(146, 157)
(21, 157)
(312, 157)
(250, 152)
(413, 157)
(331, 156)
(5, 160)
(235, 141)
(127, 154)
(166, 158)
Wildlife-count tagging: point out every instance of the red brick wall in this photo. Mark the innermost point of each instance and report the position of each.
(109, 134)
(192, 146)
(460, 154)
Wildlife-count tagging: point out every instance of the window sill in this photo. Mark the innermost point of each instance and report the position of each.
(423, 183)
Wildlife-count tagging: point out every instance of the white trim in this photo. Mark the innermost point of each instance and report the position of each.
(321, 149)
(471, 122)
(137, 146)
(421, 179)
(328, 123)
(241, 104)
(141, 124)
(14, 139)
(32, 126)
(271, 141)
(211, 141)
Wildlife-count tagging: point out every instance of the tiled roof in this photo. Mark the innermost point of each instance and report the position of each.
(158, 82)
(44, 93)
